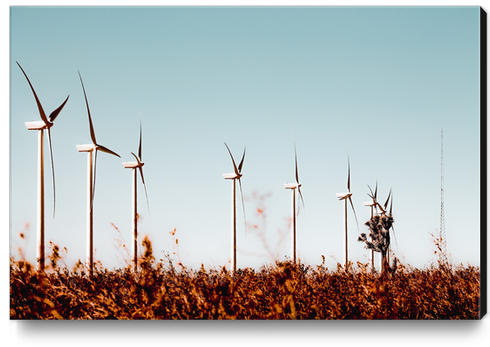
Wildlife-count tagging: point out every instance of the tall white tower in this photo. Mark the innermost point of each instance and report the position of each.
(443, 223)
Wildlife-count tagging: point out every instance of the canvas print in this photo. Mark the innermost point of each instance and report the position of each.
(243, 163)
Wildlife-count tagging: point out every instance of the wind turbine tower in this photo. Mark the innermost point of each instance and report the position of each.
(443, 222)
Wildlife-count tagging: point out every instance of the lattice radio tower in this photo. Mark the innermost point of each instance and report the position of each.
(443, 223)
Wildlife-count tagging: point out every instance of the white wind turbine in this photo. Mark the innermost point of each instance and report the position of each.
(374, 204)
(235, 176)
(91, 182)
(347, 196)
(138, 164)
(293, 187)
(45, 123)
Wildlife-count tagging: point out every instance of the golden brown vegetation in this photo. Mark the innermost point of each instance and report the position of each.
(281, 291)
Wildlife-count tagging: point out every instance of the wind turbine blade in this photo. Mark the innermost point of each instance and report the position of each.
(372, 194)
(348, 175)
(92, 132)
(296, 164)
(243, 204)
(39, 106)
(233, 160)
(392, 227)
(139, 166)
(394, 234)
(301, 197)
(387, 200)
(93, 187)
(107, 150)
(142, 177)
(52, 169)
(144, 186)
(143, 180)
(56, 112)
(241, 161)
(352, 205)
(391, 205)
(139, 149)
(137, 159)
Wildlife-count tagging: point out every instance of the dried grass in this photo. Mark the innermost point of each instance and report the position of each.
(278, 291)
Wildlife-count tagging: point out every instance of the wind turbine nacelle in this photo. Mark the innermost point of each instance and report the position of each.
(86, 148)
(230, 176)
(368, 203)
(36, 125)
(130, 164)
(343, 195)
(291, 185)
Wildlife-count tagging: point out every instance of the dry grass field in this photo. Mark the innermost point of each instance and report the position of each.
(284, 290)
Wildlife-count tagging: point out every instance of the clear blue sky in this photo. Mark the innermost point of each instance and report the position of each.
(374, 84)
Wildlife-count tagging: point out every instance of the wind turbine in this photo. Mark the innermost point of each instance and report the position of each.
(45, 123)
(91, 182)
(374, 206)
(235, 176)
(293, 187)
(347, 196)
(138, 164)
